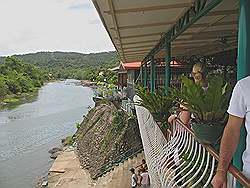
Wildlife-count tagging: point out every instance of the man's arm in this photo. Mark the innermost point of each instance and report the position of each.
(228, 146)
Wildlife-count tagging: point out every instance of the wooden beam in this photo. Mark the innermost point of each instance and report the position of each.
(222, 12)
(209, 33)
(215, 24)
(210, 46)
(144, 46)
(136, 52)
(202, 38)
(111, 6)
(136, 36)
(139, 50)
(143, 25)
(139, 42)
(151, 8)
(135, 56)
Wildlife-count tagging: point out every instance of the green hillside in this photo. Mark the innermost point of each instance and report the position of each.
(69, 59)
(72, 64)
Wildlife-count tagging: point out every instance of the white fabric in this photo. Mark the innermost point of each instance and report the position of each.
(145, 178)
(240, 107)
(133, 180)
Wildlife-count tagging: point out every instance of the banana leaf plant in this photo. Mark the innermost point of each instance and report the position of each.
(208, 106)
(158, 103)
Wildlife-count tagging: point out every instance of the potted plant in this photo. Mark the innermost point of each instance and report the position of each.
(207, 106)
(158, 103)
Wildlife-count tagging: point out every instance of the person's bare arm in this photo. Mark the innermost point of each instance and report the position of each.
(185, 117)
(228, 146)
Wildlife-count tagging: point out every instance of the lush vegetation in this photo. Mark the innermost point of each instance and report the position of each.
(158, 103)
(22, 75)
(206, 105)
(65, 65)
(17, 77)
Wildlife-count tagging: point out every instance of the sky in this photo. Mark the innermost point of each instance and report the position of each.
(29, 26)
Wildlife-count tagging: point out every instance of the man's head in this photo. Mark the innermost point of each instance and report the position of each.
(143, 170)
(143, 161)
(199, 72)
(132, 170)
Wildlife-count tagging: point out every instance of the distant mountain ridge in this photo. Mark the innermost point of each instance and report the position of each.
(58, 59)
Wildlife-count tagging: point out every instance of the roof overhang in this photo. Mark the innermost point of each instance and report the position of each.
(137, 27)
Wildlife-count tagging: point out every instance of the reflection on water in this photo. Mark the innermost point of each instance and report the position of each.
(29, 131)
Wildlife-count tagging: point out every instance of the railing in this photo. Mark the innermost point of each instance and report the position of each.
(179, 159)
(153, 143)
(115, 162)
(127, 106)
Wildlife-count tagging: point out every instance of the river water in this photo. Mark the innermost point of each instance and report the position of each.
(30, 130)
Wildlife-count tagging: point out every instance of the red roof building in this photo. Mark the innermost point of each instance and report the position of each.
(127, 73)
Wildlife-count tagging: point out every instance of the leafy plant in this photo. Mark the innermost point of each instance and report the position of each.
(207, 105)
(78, 125)
(158, 103)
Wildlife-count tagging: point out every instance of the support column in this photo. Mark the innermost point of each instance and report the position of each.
(145, 75)
(152, 75)
(141, 74)
(243, 68)
(168, 59)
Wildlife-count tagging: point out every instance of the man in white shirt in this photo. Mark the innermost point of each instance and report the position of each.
(133, 178)
(239, 110)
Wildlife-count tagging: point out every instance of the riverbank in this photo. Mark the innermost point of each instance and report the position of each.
(88, 83)
(29, 131)
(67, 172)
(12, 101)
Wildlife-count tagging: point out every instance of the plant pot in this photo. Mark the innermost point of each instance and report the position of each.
(208, 133)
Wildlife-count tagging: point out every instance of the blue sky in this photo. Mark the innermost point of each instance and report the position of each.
(51, 25)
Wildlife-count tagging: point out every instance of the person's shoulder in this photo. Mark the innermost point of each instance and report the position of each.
(244, 81)
(243, 84)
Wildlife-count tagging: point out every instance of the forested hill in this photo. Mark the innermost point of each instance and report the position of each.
(71, 64)
(70, 59)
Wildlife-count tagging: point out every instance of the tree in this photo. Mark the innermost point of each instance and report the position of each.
(4, 88)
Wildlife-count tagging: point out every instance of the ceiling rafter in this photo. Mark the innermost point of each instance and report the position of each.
(111, 6)
(138, 50)
(151, 8)
(143, 25)
(183, 43)
(222, 12)
(202, 38)
(139, 42)
(170, 23)
(209, 33)
(215, 24)
(144, 46)
(144, 35)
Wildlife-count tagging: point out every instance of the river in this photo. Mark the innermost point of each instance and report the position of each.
(30, 130)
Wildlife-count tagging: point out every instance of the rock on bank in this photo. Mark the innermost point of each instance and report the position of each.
(105, 134)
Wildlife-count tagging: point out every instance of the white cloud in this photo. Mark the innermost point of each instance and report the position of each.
(51, 25)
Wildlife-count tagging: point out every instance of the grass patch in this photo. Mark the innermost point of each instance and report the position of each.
(12, 101)
(68, 141)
